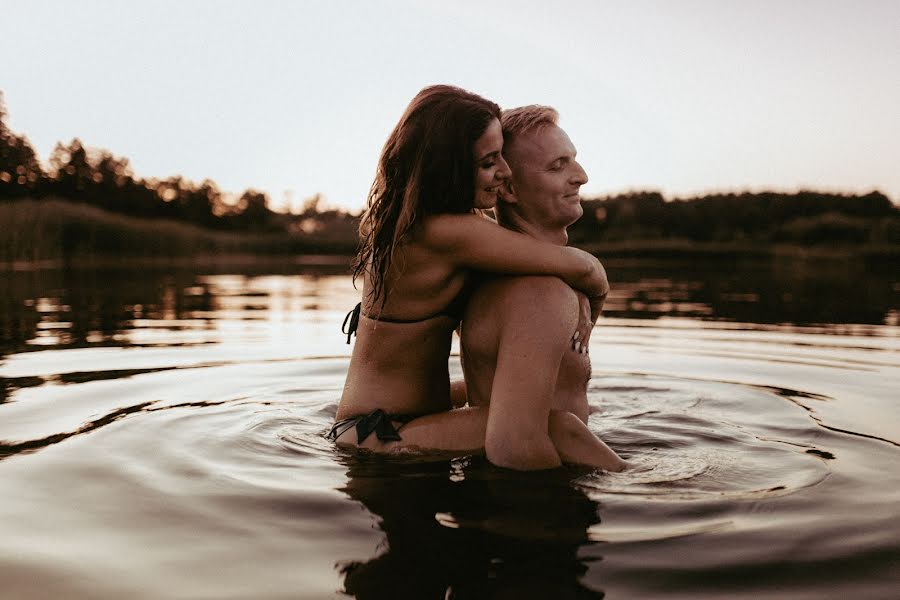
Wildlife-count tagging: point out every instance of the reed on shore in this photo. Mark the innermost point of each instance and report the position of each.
(51, 229)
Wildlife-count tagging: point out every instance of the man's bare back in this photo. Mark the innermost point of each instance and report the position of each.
(554, 304)
(518, 362)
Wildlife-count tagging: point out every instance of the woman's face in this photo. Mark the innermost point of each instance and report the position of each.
(491, 171)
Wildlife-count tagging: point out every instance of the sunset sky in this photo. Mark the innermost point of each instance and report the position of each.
(297, 98)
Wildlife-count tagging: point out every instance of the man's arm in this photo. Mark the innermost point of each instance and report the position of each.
(539, 314)
(522, 431)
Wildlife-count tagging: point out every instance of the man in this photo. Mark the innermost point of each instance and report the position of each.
(517, 334)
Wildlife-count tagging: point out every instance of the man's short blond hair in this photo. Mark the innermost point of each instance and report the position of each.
(524, 119)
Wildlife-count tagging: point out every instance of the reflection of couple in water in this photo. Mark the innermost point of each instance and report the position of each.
(525, 303)
(477, 532)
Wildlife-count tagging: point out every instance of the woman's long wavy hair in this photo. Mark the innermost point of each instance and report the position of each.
(427, 167)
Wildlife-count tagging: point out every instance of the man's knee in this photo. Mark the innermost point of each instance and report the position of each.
(565, 423)
(578, 444)
(523, 451)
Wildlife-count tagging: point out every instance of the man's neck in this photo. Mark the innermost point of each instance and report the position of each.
(515, 222)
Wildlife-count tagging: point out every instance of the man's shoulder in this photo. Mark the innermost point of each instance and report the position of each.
(523, 309)
(545, 288)
(514, 298)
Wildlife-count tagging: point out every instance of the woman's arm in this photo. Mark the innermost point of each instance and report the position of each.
(477, 243)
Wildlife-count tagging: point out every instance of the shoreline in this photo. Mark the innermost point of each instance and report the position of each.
(610, 253)
(680, 249)
(57, 234)
(180, 262)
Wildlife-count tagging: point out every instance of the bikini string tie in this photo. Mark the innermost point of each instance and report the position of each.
(353, 318)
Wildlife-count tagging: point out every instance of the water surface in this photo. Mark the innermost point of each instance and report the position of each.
(161, 437)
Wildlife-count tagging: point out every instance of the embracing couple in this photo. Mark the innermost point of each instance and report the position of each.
(430, 262)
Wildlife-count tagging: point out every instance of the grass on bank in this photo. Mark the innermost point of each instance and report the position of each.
(55, 231)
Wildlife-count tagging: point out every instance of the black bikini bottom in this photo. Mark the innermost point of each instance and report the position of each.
(376, 421)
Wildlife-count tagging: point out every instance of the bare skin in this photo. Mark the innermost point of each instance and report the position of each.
(401, 368)
(518, 361)
(519, 364)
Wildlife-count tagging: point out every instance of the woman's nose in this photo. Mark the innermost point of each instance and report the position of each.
(503, 170)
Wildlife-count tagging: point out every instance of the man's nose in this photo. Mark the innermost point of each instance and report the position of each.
(579, 176)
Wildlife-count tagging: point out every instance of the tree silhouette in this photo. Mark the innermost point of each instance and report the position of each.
(253, 211)
(199, 203)
(71, 175)
(805, 217)
(20, 170)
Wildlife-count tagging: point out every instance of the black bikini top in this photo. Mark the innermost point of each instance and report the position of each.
(454, 310)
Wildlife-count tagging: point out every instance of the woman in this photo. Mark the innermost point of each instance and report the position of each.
(421, 239)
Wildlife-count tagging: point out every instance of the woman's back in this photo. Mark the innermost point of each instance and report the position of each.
(399, 363)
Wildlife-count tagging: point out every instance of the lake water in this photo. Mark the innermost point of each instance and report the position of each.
(161, 436)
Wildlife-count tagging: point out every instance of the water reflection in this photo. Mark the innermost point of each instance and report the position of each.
(781, 290)
(463, 529)
(118, 307)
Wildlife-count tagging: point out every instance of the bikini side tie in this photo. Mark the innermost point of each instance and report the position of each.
(353, 318)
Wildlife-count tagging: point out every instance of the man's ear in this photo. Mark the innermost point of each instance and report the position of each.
(507, 192)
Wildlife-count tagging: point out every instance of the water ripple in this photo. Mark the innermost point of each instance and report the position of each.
(690, 439)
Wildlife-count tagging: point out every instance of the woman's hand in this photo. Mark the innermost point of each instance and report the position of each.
(592, 282)
(582, 336)
(588, 313)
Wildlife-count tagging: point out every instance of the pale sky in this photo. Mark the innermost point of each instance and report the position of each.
(298, 97)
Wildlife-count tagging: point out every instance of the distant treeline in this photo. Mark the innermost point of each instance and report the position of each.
(804, 218)
(101, 180)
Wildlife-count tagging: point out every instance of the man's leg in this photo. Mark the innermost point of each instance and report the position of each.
(577, 444)
(566, 439)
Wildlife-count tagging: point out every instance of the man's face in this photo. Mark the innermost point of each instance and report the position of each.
(546, 178)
